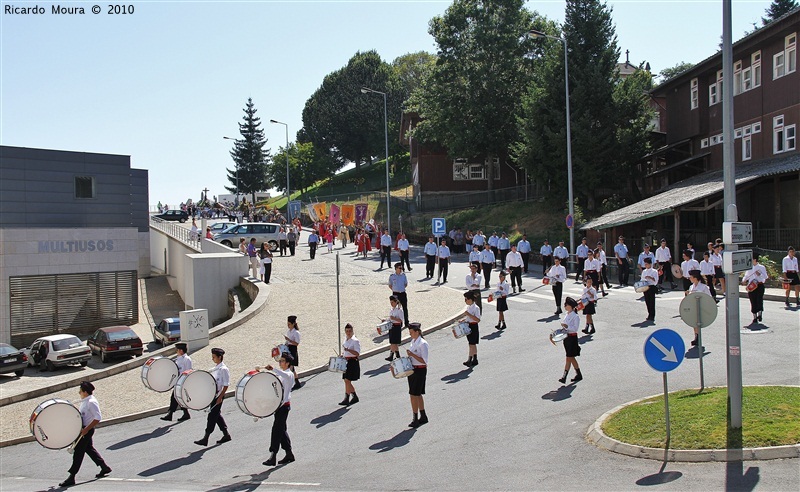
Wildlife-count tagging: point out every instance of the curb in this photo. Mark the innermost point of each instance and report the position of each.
(596, 436)
(230, 393)
(256, 307)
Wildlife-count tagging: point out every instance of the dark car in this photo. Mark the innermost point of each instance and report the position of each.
(167, 331)
(115, 341)
(178, 215)
(12, 360)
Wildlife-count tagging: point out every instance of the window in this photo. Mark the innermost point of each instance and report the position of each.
(756, 127)
(755, 67)
(476, 171)
(747, 130)
(738, 133)
(738, 80)
(704, 143)
(695, 100)
(460, 169)
(785, 62)
(784, 138)
(790, 137)
(84, 187)
(715, 90)
(747, 148)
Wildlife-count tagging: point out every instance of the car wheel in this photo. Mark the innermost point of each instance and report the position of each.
(84, 363)
(103, 356)
(227, 243)
(182, 220)
(50, 366)
(19, 373)
(273, 246)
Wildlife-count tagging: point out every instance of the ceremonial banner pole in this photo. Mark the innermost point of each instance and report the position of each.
(338, 305)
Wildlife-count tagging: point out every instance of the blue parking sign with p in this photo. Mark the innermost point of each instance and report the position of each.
(439, 227)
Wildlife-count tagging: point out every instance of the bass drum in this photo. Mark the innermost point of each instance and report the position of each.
(195, 389)
(160, 374)
(56, 423)
(259, 394)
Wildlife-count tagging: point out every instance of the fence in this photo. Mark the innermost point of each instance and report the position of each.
(777, 239)
(176, 231)
(440, 201)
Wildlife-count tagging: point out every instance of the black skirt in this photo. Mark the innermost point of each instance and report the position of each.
(571, 346)
(589, 308)
(416, 381)
(474, 336)
(686, 284)
(395, 334)
(502, 304)
(293, 351)
(718, 272)
(795, 280)
(353, 371)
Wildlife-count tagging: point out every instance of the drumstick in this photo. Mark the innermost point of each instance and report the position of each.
(71, 448)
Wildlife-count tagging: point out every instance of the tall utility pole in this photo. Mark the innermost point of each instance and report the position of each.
(365, 90)
(288, 193)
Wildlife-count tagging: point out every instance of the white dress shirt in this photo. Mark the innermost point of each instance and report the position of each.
(402, 244)
(689, 265)
(591, 265)
(524, 246)
(90, 410)
(473, 282)
(293, 335)
(582, 251)
(504, 287)
(478, 240)
(184, 363)
(287, 379)
(546, 250)
(222, 376)
(700, 287)
(352, 344)
(589, 293)
(561, 252)
(557, 273)
(386, 240)
(475, 311)
(513, 259)
(487, 256)
(419, 347)
(756, 274)
(706, 267)
(474, 256)
(430, 248)
(644, 255)
(663, 254)
(573, 322)
(397, 312)
(444, 252)
(789, 264)
(650, 275)
(716, 259)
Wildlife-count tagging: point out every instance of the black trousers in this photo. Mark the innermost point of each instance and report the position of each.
(215, 419)
(709, 281)
(558, 288)
(756, 299)
(604, 275)
(173, 406)
(476, 294)
(496, 253)
(386, 253)
(85, 446)
(503, 254)
(282, 246)
(291, 247)
(516, 277)
(525, 258)
(579, 271)
(624, 271)
(312, 249)
(404, 258)
(667, 268)
(403, 298)
(443, 264)
(487, 273)
(280, 437)
(267, 272)
(650, 302)
(546, 262)
(430, 265)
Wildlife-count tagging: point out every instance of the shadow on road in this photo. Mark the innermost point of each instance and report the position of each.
(250, 485)
(694, 353)
(189, 459)
(330, 418)
(735, 476)
(561, 393)
(659, 478)
(375, 372)
(493, 335)
(644, 324)
(397, 441)
(585, 338)
(553, 317)
(459, 376)
(157, 432)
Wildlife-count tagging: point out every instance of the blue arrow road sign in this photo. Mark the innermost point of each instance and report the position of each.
(664, 350)
(439, 227)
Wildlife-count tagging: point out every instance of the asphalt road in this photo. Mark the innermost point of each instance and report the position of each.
(506, 425)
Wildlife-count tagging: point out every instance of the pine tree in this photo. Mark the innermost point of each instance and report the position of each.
(249, 156)
(777, 9)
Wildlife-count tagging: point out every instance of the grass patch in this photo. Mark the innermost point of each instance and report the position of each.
(770, 417)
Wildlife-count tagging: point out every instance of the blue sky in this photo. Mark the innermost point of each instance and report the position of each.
(166, 83)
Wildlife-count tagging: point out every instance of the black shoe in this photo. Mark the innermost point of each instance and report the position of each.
(474, 362)
(559, 312)
(202, 442)
(591, 331)
(346, 401)
(521, 289)
(585, 330)
(167, 417)
(562, 380)
(224, 439)
(414, 423)
(577, 378)
(270, 461)
(103, 472)
(759, 315)
(184, 417)
(694, 342)
(605, 293)
(354, 399)
(514, 291)
(287, 459)
(70, 481)
(297, 386)
(787, 302)
(468, 362)
(422, 420)
(504, 326)
(389, 359)
(497, 325)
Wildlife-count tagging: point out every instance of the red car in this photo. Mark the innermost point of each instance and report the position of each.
(115, 341)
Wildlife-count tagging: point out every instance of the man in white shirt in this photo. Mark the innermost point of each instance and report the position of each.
(558, 275)
(222, 376)
(90, 417)
(184, 363)
(650, 275)
(689, 265)
(645, 254)
(581, 252)
(475, 256)
(430, 251)
(514, 262)
(279, 435)
(487, 263)
(503, 246)
(790, 273)
(418, 352)
(473, 283)
(444, 261)
(621, 254)
(398, 282)
(493, 244)
(403, 247)
(547, 255)
(386, 248)
(479, 240)
(664, 259)
(524, 248)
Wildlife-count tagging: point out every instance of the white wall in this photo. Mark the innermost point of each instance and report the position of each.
(207, 277)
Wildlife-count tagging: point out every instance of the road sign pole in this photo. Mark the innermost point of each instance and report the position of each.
(698, 325)
(338, 305)
(666, 415)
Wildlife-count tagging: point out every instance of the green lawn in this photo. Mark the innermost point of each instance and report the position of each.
(770, 417)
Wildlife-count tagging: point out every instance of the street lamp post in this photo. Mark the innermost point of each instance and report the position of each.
(288, 194)
(365, 90)
(563, 39)
(235, 202)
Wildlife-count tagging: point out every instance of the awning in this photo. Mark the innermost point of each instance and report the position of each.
(679, 163)
(665, 148)
(692, 190)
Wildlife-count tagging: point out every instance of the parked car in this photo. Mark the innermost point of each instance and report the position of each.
(57, 351)
(115, 341)
(178, 215)
(12, 360)
(264, 232)
(167, 331)
(220, 226)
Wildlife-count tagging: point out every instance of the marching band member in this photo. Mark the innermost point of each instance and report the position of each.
(479, 240)
(707, 272)
(697, 285)
(386, 248)
(503, 246)
(444, 259)
(502, 303)
(473, 282)
(395, 332)
(223, 378)
(184, 363)
(398, 283)
(472, 316)
(492, 241)
(581, 252)
(664, 259)
(292, 338)
(591, 268)
(650, 275)
(600, 255)
(514, 262)
(351, 349)
(547, 255)
(758, 275)
(524, 248)
(716, 259)
(688, 265)
(280, 436)
(402, 245)
(475, 256)
(789, 267)
(90, 417)
(646, 253)
(487, 263)
(589, 308)
(621, 253)
(561, 252)
(418, 352)
(558, 275)
(572, 348)
(430, 250)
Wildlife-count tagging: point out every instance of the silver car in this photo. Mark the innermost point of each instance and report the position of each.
(264, 232)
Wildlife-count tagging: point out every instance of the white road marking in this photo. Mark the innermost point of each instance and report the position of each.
(516, 299)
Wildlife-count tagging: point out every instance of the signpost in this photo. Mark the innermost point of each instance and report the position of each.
(737, 232)
(699, 310)
(570, 221)
(439, 228)
(737, 261)
(663, 351)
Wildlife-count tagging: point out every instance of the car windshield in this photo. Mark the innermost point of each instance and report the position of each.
(6, 349)
(66, 343)
(115, 336)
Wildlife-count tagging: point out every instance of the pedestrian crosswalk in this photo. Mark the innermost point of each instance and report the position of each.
(575, 290)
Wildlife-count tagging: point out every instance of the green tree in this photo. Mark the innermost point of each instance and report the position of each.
(470, 100)
(349, 125)
(674, 70)
(307, 165)
(410, 69)
(777, 9)
(249, 156)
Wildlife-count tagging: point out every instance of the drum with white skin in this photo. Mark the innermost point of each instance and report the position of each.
(402, 367)
(641, 286)
(259, 394)
(195, 389)
(56, 423)
(558, 335)
(462, 329)
(337, 364)
(384, 327)
(160, 374)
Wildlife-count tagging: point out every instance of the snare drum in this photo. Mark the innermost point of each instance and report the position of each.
(558, 335)
(56, 423)
(546, 280)
(641, 286)
(384, 327)
(195, 389)
(259, 394)
(337, 364)
(402, 367)
(278, 350)
(676, 271)
(461, 329)
(159, 374)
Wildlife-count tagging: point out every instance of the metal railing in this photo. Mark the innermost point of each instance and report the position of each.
(177, 232)
(777, 239)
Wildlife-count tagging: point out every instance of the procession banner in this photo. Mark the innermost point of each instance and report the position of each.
(311, 213)
(321, 210)
(361, 212)
(334, 214)
(295, 206)
(348, 212)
